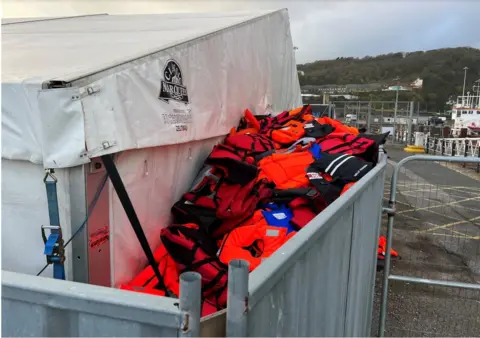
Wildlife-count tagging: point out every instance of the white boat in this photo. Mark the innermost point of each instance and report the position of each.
(466, 112)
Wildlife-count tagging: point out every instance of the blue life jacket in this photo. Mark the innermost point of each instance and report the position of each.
(279, 216)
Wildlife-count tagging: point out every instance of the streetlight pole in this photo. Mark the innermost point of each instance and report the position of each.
(397, 79)
(464, 82)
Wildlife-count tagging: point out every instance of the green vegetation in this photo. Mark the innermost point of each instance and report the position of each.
(441, 70)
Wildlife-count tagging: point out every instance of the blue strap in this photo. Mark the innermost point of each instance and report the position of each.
(316, 150)
(52, 200)
(55, 234)
(58, 268)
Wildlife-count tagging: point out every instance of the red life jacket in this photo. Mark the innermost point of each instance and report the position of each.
(235, 165)
(305, 203)
(269, 123)
(221, 209)
(194, 250)
(249, 144)
(236, 157)
(365, 146)
(340, 143)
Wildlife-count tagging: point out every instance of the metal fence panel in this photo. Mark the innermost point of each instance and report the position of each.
(365, 233)
(434, 289)
(42, 307)
(318, 282)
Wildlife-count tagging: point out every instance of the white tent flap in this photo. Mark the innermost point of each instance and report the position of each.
(21, 132)
(196, 90)
(62, 128)
(155, 178)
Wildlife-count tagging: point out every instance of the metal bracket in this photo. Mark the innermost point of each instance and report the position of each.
(389, 211)
(105, 145)
(84, 92)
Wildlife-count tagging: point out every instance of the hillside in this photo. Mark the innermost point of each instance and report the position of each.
(441, 70)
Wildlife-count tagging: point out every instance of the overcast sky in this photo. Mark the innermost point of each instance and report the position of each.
(320, 29)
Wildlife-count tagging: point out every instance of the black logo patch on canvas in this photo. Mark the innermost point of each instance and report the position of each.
(171, 87)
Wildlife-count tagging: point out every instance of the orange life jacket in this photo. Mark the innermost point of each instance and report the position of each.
(346, 187)
(339, 126)
(147, 282)
(254, 241)
(291, 131)
(382, 248)
(286, 170)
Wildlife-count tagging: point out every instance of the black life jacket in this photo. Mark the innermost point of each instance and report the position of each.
(317, 130)
(343, 167)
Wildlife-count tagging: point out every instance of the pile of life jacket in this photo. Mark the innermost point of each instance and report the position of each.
(268, 179)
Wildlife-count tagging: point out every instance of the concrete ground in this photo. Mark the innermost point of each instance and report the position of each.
(437, 234)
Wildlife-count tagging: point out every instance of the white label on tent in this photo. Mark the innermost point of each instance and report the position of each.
(280, 215)
(171, 87)
(174, 92)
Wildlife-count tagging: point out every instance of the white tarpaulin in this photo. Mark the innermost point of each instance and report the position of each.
(144, 80)
(162, 89)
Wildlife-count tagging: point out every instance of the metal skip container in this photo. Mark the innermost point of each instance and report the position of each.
(142, 99)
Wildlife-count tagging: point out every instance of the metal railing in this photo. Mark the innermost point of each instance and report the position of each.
(453, 146)
(466, 147)
(434, 288)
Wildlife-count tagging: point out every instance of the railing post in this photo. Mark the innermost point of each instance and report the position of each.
(237, 298)
(190, 302)
(443, 146)
(478, 150)
(428, 144)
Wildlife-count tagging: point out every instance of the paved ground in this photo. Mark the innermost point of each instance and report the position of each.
(437, 234)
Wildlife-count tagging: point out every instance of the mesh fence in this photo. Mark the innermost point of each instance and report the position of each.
(379, 116)
(437, 235)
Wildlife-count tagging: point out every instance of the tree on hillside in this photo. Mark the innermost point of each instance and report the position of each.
(441, 71)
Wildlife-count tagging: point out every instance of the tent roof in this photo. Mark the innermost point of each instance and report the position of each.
(65, 49)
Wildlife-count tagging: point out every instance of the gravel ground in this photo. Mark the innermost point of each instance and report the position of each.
(437, 234)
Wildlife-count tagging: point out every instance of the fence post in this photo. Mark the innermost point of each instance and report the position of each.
(478, 164)
(237, 298)
(443, 146)
(428, 144)
(369, 112)
(190, 302)
(409, 124)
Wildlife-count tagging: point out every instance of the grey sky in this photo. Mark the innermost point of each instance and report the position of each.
(320, 29)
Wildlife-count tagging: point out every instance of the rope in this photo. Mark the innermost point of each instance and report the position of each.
(90, 210)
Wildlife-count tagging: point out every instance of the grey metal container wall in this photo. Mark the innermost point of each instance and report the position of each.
(321, 282)
(43, 307)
